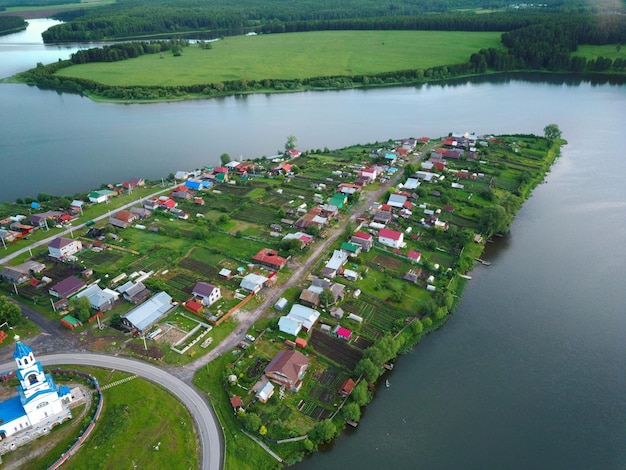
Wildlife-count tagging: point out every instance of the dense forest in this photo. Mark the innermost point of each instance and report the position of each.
(11, 24)
(142, 18)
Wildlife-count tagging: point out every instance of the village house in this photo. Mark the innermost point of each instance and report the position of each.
(288, 369)
(101, 195)
(364, 239)
(307, 316)
(67, 287)
(45, 219)
(336, 262)
(61, 248)
(270, 258)
(391, 238)
(353, 249)
(347, 387)
(142, 317)
(134, 292)
(342, 333)
(99, 299)
(265, 391)
(313, 218)
(208, 293)
(289, 325)
(22, 272)
(253, 282)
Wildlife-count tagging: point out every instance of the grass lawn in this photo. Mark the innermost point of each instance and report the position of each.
(608, 50)
(138, 416)
(293, 55)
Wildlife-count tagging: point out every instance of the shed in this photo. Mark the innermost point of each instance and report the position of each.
(301, 342)
(281, 304)
(70, 322)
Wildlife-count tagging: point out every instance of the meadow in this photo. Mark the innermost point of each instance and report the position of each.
(292, 56)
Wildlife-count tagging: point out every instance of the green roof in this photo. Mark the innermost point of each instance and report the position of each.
(71, 320)
(351, 247)
(338, 200)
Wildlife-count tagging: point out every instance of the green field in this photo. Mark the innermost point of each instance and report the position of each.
(592, 52)
(292, 56)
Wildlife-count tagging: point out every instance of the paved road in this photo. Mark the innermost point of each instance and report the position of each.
(45, 241)
(177, 379)
(207, 426)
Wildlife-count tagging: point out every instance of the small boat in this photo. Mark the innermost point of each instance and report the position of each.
(387, 384)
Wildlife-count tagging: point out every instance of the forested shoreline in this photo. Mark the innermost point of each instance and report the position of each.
(533, 39)
(11, 24)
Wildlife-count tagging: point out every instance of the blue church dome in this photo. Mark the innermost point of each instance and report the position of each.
(21, 350)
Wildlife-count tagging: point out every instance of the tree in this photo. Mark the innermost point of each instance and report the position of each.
(417, 327)
(10, 312)
(224, 158)
(369, 370)
(81, 308)
(360, 394)
(552, 132)
(326, 297)
(352, 411)
(251, 422)
(323, 431)
(291, 142)
(493, 219)
(116, 321)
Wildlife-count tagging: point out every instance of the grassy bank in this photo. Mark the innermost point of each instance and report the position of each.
(291, 56)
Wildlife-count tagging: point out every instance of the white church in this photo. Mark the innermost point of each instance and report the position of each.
(39, 403)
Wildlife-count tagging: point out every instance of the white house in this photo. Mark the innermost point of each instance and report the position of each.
(100, 299)
(307, 316)
(253, 282)
(100, 196)
(39, 403)
(289, 325)
(61, 247)
(207, 292)
(391, 238)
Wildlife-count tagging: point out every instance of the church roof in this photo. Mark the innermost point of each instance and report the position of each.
(11, 409)
(21, 350)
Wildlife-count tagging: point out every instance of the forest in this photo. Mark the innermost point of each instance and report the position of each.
(137, 19)
(11, 24)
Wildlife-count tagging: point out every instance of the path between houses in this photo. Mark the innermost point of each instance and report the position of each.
(247, 319)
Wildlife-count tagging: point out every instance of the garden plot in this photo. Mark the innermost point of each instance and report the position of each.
(335, 349)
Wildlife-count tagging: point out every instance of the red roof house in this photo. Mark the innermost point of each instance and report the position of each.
(288, 369)
(347, 387)
(270, 258)
(414, 255)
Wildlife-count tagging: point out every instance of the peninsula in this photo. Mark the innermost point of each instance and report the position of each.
(283, 287)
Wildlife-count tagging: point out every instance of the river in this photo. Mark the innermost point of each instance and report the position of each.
(530, 372)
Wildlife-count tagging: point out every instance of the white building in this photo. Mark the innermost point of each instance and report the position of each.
(391, 238)
(39, 403)
(253, 282)
(207, 292)
(61, 247)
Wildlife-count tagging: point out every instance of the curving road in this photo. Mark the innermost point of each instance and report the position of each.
(206, 422)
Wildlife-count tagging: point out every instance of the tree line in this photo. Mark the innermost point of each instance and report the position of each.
(11, 24)
(133, 18)
(126, 50)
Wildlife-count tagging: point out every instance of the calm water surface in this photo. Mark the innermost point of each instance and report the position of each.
(531, 370)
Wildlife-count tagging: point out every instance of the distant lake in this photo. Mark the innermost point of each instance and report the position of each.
(530, 372)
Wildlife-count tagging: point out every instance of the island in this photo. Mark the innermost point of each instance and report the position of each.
(282, 287)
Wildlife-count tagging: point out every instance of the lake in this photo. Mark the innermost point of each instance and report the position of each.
(530, 372)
